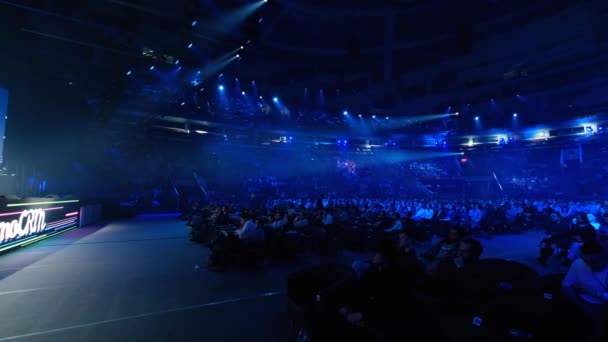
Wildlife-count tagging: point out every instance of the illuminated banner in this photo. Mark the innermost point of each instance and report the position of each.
(26, 222)
(31, 222)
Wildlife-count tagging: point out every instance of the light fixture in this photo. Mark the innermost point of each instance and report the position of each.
(129, 73)
(190, 46)
(152, 68)
(221, 87)
(194, 23)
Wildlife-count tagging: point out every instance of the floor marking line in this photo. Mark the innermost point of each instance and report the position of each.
(144, 315)
(28, 290)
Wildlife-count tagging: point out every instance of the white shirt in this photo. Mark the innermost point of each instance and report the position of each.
(424, 214)
(590, 285)
(397, 226)
(248, 230)
(476, 215)
(328, 220)
(278, 224)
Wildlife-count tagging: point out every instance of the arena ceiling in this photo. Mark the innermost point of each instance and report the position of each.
(91, 45)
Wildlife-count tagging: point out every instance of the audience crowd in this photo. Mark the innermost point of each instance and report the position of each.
(425, 267)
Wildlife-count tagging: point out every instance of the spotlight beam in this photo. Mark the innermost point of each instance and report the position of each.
(395, 157)
(140, 8)
(229, 22)
(216, 66)
(412, 120)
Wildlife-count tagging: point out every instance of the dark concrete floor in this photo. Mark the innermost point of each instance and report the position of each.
(143, 280)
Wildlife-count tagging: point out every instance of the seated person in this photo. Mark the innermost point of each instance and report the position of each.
(327, 219)
(228, 243)
(586, 286)
(222, 218)
(458, 272)
(280, 222)
(300, 221)
(248, 230)
(396, 225)
(383, 221)
(446, 248)
(259, 231)
(424, 213)
(557, 238)
(582, 232)
(587, 276)
(406, 260)
(367, 303)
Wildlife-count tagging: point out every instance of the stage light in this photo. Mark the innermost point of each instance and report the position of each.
(243, 93)
(275, 99)
(202, 90)
(221, 87)
(190, 46)
(129, 73)
(152, 68)
(177, 62)
(514, 115)
(477, 118)
(194, 23)
(238, 56)
(242, 47)
(457, 113)
(261, 97)
(360, 115)
(387, 118)
(373, 116)
(462, 153)
(183, 104)
(200, 132)
(345, 112)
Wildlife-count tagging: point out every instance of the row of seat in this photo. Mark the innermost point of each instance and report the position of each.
(512, 303)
